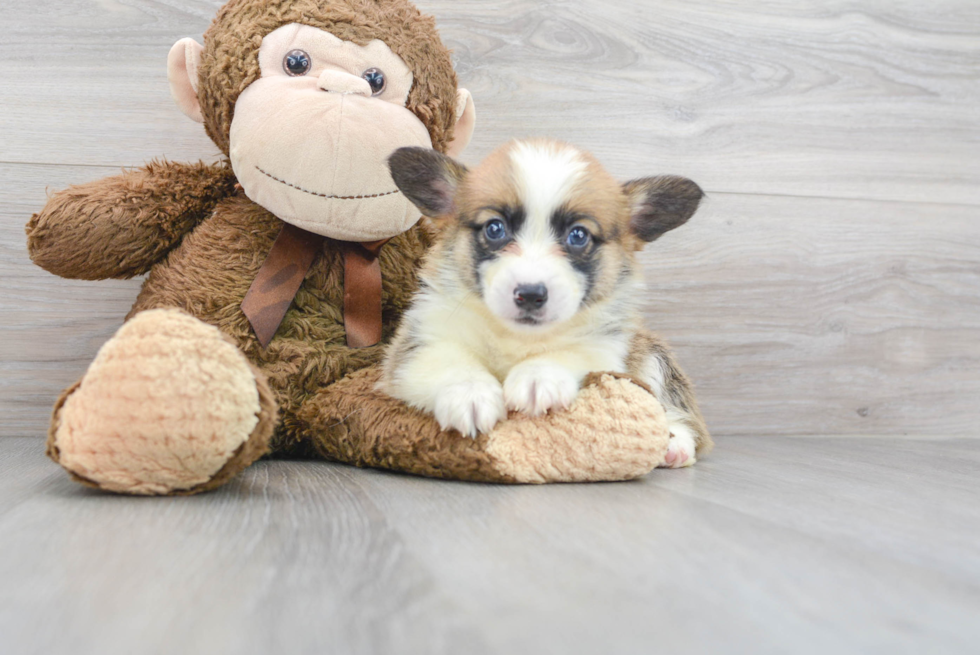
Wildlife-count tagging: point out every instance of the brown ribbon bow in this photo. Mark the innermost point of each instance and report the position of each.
(285, 268)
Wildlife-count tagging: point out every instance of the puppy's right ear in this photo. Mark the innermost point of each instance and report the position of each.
(660, 204)
(428, 178)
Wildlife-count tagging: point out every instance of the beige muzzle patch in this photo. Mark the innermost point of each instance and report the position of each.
(322, 165)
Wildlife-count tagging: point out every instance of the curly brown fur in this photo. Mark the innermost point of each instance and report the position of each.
(357, 423)
(390, 435)
(231, 45)
(121, 226)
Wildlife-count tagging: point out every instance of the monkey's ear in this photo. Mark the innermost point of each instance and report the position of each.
(465, 122)
(428, 178)
(182, 66)
(659, 204)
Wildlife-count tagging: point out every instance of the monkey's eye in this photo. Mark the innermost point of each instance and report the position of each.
(578, 238)
(296, 63)
(495, 230)
(376, 79)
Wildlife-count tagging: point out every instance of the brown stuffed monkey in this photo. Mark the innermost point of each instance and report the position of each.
(276, 276)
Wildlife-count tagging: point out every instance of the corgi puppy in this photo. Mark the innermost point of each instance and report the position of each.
(531, 285)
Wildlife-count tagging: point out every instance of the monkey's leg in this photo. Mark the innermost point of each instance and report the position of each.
(169, 406)
(614, 430)
(652, 362)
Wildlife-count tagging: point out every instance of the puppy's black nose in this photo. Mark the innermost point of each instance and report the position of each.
(531, 296)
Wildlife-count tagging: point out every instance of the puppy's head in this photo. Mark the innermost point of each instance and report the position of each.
(540, 229)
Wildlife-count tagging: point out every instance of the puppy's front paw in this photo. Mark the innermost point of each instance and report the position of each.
(536, 387)
(471, 407)
(680, 449)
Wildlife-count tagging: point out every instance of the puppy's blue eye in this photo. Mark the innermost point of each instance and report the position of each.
(578, 237)
(495, 230)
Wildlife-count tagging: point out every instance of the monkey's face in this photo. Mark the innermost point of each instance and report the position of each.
(310, 138)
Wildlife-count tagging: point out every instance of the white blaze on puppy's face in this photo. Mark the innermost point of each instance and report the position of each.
(545, 177)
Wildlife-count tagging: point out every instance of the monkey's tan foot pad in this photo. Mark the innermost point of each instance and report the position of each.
(615, 430)
(169, 406)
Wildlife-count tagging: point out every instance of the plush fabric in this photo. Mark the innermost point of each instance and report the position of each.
(208, 275)
(363, 204)
(164, 406)
(614, 430)
(121, 226)
(338, 184)
(231, 47)
(182, 73)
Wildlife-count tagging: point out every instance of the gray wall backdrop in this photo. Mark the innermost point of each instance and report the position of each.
(830, 285)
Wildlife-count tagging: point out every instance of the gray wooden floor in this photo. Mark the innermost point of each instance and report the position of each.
(826, 301)
(803, 545)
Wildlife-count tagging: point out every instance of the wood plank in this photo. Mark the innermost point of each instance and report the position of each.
(769, 546)
(776, 570)
(105, 22)
(843, 99)
(289, 554)
(866, 100)
(815, 316)
(63, 105)
(852, 496)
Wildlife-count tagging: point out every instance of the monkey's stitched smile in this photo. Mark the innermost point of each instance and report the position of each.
(325, 195)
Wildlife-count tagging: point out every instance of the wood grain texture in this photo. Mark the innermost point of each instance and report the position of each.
(769, 546)
(853, 99)
(829, 286)
(824, 316)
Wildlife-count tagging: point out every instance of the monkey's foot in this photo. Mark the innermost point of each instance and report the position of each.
(169, 406)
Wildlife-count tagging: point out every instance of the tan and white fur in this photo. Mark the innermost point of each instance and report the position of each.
(532, 284)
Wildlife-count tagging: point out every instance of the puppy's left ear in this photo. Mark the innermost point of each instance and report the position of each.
(428, 178)
(659, 204)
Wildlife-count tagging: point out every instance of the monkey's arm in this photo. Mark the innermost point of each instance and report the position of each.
(120, 226)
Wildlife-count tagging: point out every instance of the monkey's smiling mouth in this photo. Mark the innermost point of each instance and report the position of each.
(324, 195)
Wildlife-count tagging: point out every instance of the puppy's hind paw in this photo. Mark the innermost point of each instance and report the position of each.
(680, 450)
(470, 407)
(536, 387)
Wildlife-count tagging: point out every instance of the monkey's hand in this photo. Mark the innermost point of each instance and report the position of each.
(120, 226)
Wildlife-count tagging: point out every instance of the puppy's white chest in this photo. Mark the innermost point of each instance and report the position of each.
(578, 353)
